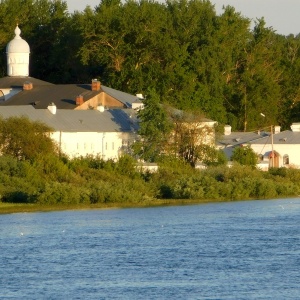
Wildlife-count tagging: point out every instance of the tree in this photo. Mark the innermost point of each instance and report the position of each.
(50, 38)
(25, 139)
(245, 156)
(290, 60)
(155, 127)
(257, 86)
(192, 137)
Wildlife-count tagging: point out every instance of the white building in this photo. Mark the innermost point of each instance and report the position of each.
(284, 146)
(104, 133)
(87, 119)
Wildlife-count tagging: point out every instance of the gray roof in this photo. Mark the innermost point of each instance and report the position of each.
(262, 138)
(112, 120)
(284, 137)
(238, 138)
(63, 95)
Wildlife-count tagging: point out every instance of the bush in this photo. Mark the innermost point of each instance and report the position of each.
(62, 193)
(130, 191)
(245, 156)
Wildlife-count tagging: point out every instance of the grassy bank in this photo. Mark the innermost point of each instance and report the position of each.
(90, 183)
(8, 208)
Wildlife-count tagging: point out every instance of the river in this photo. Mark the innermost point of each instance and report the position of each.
(232, 250)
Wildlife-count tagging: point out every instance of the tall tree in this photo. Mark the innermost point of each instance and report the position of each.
(155, 128)
(50, 41)
(290, 84)
(257, 86)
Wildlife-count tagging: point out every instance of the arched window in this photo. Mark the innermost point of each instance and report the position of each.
(260, 157)
(286, 160)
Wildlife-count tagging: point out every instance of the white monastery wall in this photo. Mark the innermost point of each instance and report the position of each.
(106, 145)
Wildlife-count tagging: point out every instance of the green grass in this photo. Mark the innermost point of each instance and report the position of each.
(7, 208)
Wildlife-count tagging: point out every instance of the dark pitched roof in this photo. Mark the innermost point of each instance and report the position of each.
(62, 95)
(17, 82)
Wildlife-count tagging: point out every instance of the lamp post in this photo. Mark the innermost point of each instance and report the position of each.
(272, 142)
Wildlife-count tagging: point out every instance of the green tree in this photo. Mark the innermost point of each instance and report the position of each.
(51, 34)
(192, 139)
(25, 139)
(155, 127)
(245, 156)
(290, 84)
(258, 77)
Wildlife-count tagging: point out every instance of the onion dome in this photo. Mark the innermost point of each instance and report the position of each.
(17, 45)
(17, 52)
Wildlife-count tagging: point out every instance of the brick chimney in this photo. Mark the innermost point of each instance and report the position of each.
(79, 100)
(96, 85)
(27, 86)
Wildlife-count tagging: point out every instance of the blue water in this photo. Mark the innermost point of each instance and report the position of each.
(236, 250)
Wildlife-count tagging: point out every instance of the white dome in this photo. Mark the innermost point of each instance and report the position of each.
(17, 54)
(17, 45)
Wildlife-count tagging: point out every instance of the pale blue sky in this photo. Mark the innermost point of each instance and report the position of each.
(282, 15)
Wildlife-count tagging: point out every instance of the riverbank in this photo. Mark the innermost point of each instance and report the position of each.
(9, 208)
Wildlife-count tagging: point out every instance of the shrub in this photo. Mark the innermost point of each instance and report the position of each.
(244, 156)
(62, 193)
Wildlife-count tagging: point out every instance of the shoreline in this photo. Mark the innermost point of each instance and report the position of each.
(10, 208)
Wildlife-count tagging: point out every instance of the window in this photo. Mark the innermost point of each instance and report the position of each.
(286, 160)
(260, 157)
(113, 146)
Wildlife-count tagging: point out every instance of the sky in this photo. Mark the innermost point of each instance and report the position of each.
(281, 15)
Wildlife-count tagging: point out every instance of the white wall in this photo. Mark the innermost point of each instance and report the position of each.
(18, 64)
(106, 145)
(293, 151)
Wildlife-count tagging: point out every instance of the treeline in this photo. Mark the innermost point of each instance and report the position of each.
(193, 58)
(52, 180)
